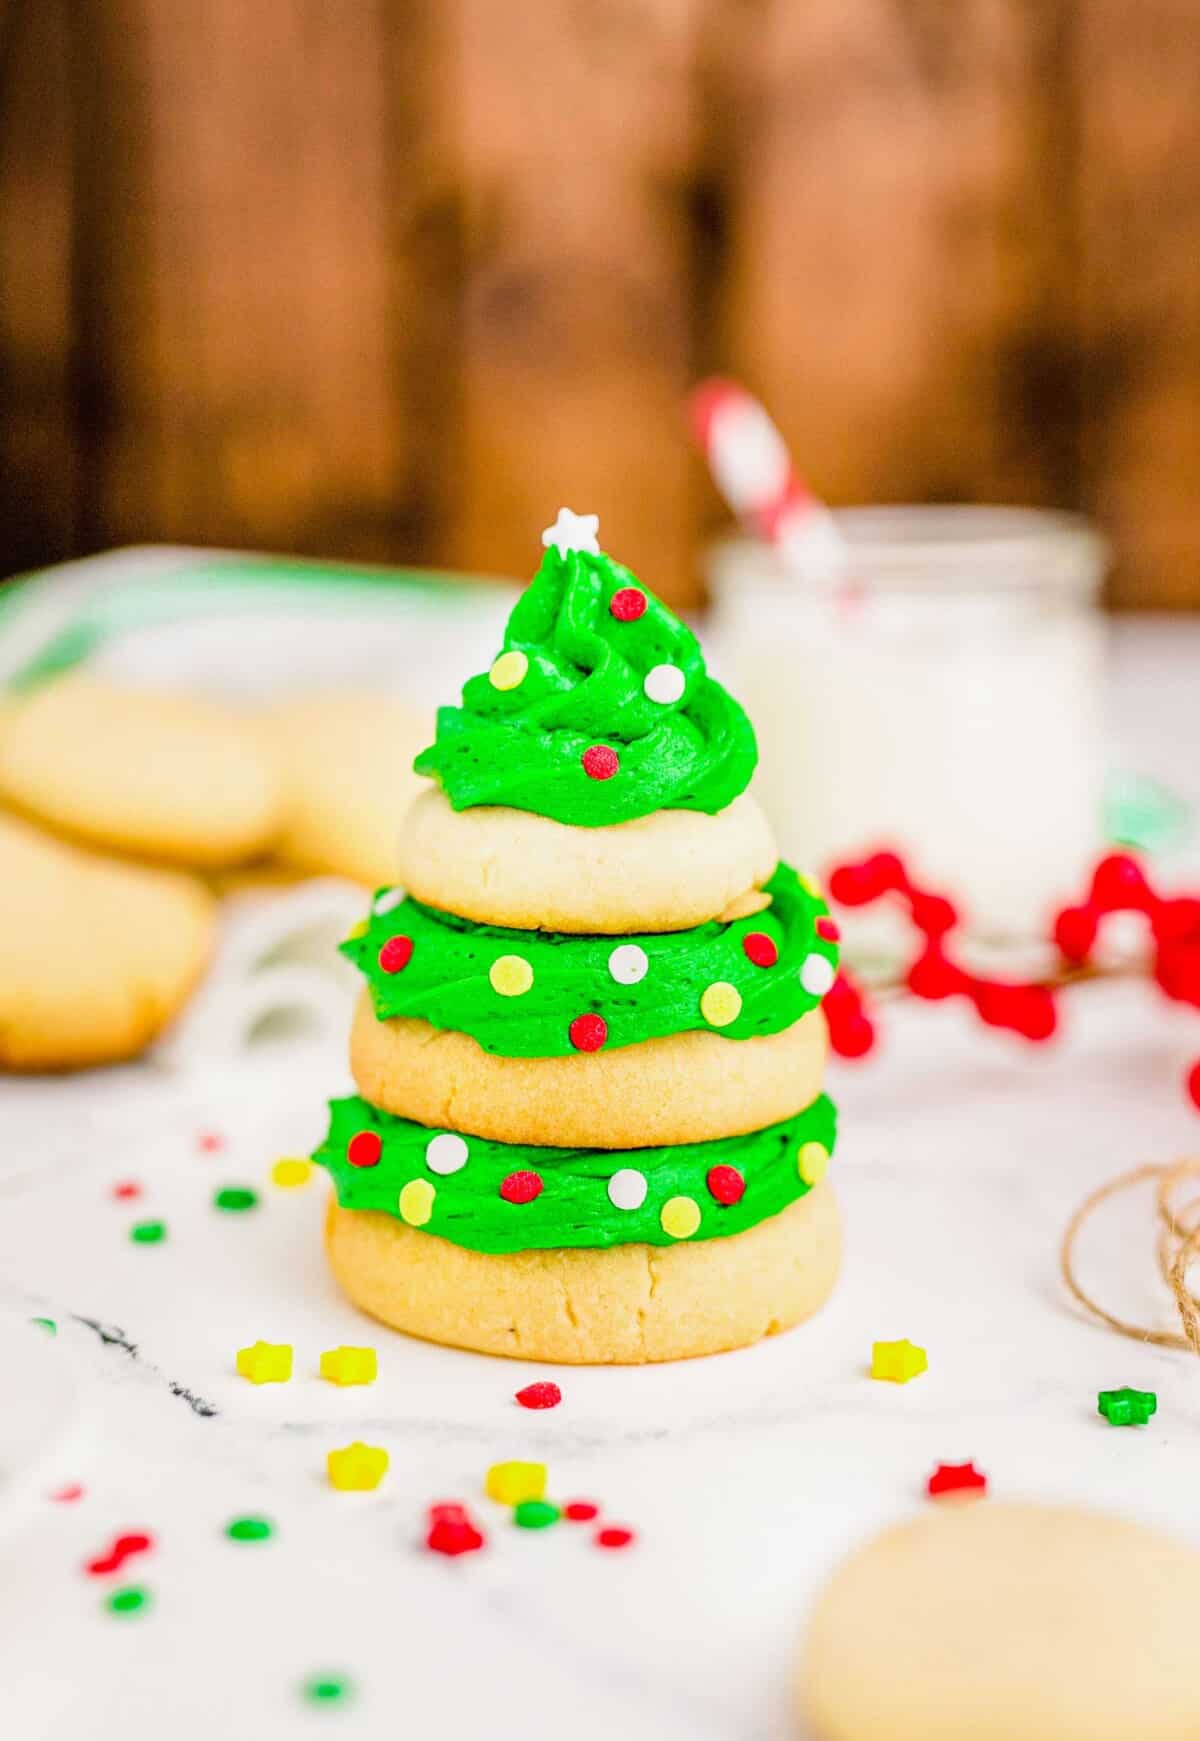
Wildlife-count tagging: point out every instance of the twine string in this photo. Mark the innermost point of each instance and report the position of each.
(1178, 1244)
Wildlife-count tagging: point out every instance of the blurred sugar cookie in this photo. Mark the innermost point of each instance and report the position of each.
(96, 956)
(1008, 1623)
(346, 761)
(145, 772)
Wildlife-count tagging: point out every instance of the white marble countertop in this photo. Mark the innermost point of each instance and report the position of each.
(746, 1477)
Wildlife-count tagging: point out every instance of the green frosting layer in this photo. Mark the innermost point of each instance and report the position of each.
(585, 686)
(409, 1177)
(450, 978)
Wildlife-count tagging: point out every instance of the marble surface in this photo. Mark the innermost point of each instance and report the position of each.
(746, 1477)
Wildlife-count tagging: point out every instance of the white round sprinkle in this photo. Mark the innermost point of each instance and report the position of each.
(627, 1189)
(664, 683)
(446, 1153)
(388, 899)
(628, 964)
(817, 975)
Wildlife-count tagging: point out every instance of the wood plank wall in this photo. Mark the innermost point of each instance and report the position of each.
(390, 279)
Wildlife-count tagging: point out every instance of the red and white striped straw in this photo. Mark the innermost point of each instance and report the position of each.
(753, 470)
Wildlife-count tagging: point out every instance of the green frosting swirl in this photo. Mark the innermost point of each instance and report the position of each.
(585, 686)
(573, 1206)
(446, 980)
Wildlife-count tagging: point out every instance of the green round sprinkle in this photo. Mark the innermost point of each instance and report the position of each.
(148, 1232)
(326, 1689)
(130, 1600)
(47, 1324)
(235, 1197)
(535, 1514)
(249, 1529)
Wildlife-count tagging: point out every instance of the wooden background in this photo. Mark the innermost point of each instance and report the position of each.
(392, 278)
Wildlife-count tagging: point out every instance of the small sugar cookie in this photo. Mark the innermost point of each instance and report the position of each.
(348, 780)
(96, 956)
(684, 1088)
(1008, 1623)
(665, 872)
(139, 771)
(622, 1306)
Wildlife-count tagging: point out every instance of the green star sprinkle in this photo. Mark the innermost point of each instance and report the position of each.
(235, 1197)
(131, 1600)
(249, 1529)
(535, 1514)
(148, 1232)
(1126, 1407)
(327, 1689)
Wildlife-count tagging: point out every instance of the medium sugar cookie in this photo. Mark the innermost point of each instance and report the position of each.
(144, 772)
(665, 872)
(625, 1305)
(1008, 1623)
(346, 761)
(688, 1087)
(96, 956)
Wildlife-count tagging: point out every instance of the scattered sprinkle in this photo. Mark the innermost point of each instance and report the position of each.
(588, 1033)
(580, 1511)
(235, 1197)
(680, 1217)
(545, 1394)
(249, 1529)
(395, 954)
(69, 1494)
(415, 1202)
(760, 949)
(209, 1141)
(345, 1365)
(452, 1531)
(148, 1232)
(265, 1362)
(364, 1148)
(627, 604)
(509, 670)
(511, 1483)
(535, 1514)
(600, 762)
(123, 1548)
(46, 1324)
(960, 1478)
(327, 1689)
(357, 1468)
(131, 1600)
(613, 1536)
(126, 1190)
(290, 1171)
(725, 1184)
(898, 1361)
(521, 1187)
(1127, 1407)
(812, 1162)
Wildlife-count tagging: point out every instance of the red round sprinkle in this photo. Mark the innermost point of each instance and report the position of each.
(726, 1184)
(580, 1511)
(126, 1189)
(521, 1187)
(614, 1536)
(628, 604)
(600, 763)
(364, 1148)
(588, 1033)
(760, 949)
(395, 954)
(545, 1394)
(209, 1141)
(827, 929)
(69, 1494)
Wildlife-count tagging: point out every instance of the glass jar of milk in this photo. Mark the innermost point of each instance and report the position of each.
(944, 699)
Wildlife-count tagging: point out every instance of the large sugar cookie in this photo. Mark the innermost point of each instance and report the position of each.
(143, 772)
(96, 956)
(1008, 1623)
(683, 1088)
(348, 779)
(622, 1306)
(665, 872)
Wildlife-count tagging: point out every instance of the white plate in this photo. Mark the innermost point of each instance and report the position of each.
(42, 1415)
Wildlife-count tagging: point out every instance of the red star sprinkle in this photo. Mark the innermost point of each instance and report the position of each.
(600, 762)
(580, 1511)
(760, 949)
(614, 1536)
(588, 1033)
(628, 604)
(395, 954)
(726, 1184)
(364, 1148)
(521, 1187)
(956, 1478)
(543, 1395)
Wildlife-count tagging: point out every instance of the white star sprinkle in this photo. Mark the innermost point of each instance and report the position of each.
(573, 532)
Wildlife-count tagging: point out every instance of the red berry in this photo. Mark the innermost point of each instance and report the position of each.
(614, 1536)
(627, 604)
(600, 762)
(364, 1148)
(1117, 881)
(933, 914)
(1193, 1083)
(760, 949)
(726, 1184)
(521, 1187)
(588, 1033)
(1075, 932)
(932, 976)
(395, 954)
(580, 1511)
(543, 1395)
(1175, 920)
(827, 929)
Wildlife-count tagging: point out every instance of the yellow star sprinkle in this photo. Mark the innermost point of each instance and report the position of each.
(357, 1468)
(898, 1361)
(680, 1217)
(510, 1483)
(350, 1365)
(266, 1362)
(511, 975)
(416, 1202)
(812, 1163)
(509, 670)
(721, 1003)
(291, 1170)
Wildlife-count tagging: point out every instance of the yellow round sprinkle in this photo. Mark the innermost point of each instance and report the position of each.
(511, 975)
(416, 1202)
(509, 671)
(721, 1003)
(812, 1163)
(680, 1217)
(291, 1170)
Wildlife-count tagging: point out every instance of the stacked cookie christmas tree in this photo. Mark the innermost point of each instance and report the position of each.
(589, 1051)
